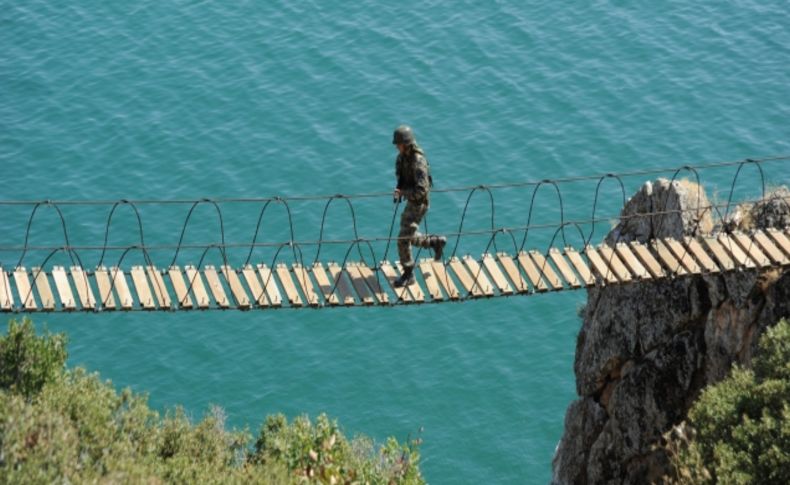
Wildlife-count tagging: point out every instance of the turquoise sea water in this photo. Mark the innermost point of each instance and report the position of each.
(184, 100)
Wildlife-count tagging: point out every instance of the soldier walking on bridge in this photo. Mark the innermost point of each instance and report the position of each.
(414, 184)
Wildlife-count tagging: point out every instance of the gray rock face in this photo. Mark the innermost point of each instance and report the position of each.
(646, 350)
(664, 208)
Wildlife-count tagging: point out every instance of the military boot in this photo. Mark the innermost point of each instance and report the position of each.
(438, 243)
(407, 278)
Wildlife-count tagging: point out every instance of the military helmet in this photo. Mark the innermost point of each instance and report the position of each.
(404, 135)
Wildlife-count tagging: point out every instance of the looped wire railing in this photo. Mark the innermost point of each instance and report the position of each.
(358, 241)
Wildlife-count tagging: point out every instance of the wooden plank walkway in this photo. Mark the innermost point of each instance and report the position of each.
(358, 284)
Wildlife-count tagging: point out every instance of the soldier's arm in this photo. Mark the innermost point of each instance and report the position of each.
(398, 177)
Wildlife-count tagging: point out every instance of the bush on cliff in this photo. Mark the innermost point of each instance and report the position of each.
(59, 425)
(740, 428)
(27, 362)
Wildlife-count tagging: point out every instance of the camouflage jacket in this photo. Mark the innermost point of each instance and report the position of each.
(413, 175)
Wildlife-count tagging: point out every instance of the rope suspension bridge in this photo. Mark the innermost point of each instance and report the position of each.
(288, 280)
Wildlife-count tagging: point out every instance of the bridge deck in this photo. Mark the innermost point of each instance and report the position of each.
(357, 284)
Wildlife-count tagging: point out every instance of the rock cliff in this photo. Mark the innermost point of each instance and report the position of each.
(646, 350)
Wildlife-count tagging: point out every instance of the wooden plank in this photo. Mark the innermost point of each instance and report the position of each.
(705, 261)
(270, 285)
(532, 272)
(671, 264)
(429, 277)
(445, 280)
(683, 255)
(103, 281)
(781, 240)
(287, 284)
(513, 272)
(308, 290)
(67, 302)
(580, 266)
(769, 248)
(500, 280)
(215, 286)
(340, 279)
(611, 259)
(180, 287)
(144, 295)
(751, 248)
(194, 282)
(258, 293)
(598, 264)
(373, 283)
(414, 288)
(359, 284)
(324, 285)
(463, 276)
(24, 289)
(546, 270)
(121, 288)
(646, 258)
(236, 288)
(478, 275)
(159, 287)
(6, 298)
(718, 252)
(567, 273)
(734, 250)
(631, 261)
(44, 290)
(84, 292)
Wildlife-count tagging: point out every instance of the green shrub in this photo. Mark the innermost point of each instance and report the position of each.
(320, 452)
(69, 426)
(741, 426)
(27, 362)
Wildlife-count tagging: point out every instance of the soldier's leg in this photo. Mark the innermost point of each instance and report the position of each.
(426, 241)
(419, 239)
(408, 228)
(409, 232)
(422, 240)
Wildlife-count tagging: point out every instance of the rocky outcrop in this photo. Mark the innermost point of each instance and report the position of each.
(664, 209)
(646, 350)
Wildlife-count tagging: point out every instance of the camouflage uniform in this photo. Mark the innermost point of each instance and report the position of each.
(413, 177)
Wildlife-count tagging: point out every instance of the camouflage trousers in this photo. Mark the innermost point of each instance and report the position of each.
(409, 232)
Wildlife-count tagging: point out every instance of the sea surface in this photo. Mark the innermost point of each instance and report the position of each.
(186, 100)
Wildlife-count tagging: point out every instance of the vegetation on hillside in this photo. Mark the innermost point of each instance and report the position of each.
(68, 426)
(738, 431)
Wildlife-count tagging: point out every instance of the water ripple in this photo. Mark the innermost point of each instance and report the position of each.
(195, 99)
